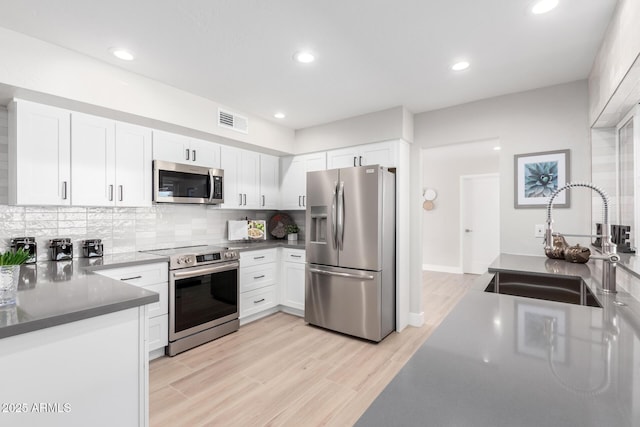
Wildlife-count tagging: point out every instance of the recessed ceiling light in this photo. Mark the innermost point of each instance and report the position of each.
(123, 54)
(496, 148)
(460, 66)
(544, 6)
(304, 57)
(279, 115)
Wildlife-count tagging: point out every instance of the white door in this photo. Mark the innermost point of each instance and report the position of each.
(229, 162)
(249, 179)
(204, 153)
(479, 221)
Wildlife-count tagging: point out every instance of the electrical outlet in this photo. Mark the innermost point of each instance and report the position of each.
(539, 230)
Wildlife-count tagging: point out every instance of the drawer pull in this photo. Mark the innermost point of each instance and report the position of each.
(260, 300)
(258, 277)
(296, 256)
(131, 278)
(258, 257)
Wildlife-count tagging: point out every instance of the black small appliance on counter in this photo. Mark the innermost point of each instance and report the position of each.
(28, 244)
(60, 249)
(92, 248)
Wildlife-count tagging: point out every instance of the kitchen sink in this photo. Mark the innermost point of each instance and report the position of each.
(570, 290)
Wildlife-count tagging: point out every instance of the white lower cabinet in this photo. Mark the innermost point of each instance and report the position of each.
(257, 300)
(258, 283)
(153, 277)
(292, 280)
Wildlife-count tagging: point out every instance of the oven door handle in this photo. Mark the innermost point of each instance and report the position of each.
(194, 272)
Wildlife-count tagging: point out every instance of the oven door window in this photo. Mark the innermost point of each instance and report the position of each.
(203, 299)
(183, 184)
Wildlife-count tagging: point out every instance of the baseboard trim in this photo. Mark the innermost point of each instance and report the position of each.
(416, 319)
(442, 268)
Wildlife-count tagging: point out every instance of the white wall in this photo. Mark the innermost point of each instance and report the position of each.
(620, 48)
(442, 168)
(394, 123)
(545, 119)
(41, 71)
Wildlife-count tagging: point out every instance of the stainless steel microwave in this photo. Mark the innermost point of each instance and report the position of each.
(180, 183)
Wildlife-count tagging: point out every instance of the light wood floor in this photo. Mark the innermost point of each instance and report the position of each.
(278, 371)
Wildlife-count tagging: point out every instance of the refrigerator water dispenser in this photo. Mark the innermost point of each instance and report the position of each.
(318, 229)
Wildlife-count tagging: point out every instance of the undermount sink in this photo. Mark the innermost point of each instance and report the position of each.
(570, 290)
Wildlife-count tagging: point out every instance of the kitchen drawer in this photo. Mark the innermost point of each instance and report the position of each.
(158, 332)
(257, 276)
(293, 255)
(250, 258)
(257, 300)
(161, 306)
(139, 275)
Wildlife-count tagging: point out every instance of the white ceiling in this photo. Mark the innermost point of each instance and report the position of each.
(371, 54)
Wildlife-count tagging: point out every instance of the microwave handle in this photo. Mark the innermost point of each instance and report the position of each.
(211, 182)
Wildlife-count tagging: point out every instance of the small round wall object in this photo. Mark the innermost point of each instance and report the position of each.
(430, 195)
(428, 205)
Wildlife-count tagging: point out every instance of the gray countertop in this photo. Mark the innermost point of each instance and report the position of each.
(500, 360)
(243, 246)
(54, 293)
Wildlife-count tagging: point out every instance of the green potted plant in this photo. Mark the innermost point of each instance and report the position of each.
(292, 231)
(10, 274)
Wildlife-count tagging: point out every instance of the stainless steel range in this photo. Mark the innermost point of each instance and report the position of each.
(203, 295)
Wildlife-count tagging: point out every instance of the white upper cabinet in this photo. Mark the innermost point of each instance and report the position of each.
(39, 154)
(133, 165)
(380, 153)
(241, 178)
(269, 181)
(110, 162)
(181, 149)
(92, 160)
(294, 178)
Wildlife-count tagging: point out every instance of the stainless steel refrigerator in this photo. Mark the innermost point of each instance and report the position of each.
(350, 248)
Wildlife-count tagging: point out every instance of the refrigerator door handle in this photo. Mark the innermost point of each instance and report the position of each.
(340, 221)
(334, 216)
(335, 273)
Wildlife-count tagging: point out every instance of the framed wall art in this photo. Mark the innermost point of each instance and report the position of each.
(537, 176)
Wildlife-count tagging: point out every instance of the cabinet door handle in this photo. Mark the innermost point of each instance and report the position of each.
(258, 277)
(244, 198)
(354, 161)
(121, 190)
(240, 204)
(304, 201)
(64, 190)
(299, 200)
(260, 300)
(187, 155)
(193, 157)
(263, 200)
(360, 160)
(111, 193)
(131, 278)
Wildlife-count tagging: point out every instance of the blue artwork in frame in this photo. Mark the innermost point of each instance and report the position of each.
(537, 176)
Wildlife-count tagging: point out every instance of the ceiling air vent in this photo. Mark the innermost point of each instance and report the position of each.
(233, 121)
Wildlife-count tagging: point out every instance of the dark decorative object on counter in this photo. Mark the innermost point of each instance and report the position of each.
(558, 249)
(619, 235)
(577, 254)
(278, 225)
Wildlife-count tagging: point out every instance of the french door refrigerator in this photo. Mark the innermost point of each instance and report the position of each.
(350, 249)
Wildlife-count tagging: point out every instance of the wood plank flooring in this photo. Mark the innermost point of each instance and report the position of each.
(278, 371)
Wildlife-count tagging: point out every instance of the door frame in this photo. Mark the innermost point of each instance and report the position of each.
(461, 219)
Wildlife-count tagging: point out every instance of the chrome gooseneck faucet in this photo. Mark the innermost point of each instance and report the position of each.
(610, 257)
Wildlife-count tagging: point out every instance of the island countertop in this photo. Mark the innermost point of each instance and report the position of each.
(501, 360)
(54, 293)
